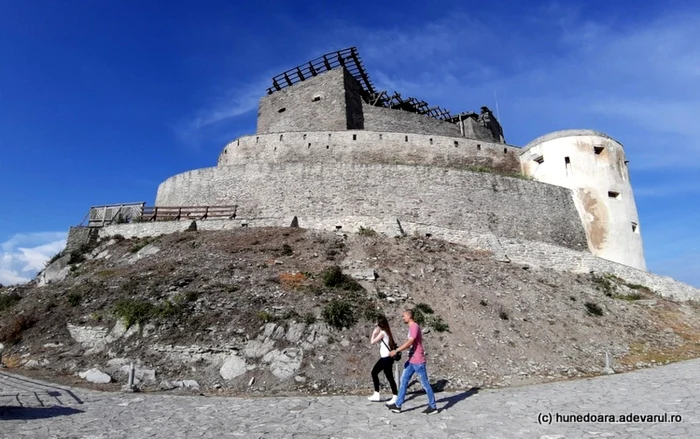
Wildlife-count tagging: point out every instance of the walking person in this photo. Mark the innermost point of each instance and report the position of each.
(382, 335)
(415, 364)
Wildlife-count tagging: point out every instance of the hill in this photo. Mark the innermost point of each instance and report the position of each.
(290, 310)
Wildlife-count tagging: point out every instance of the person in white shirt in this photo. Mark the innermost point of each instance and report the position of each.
(382, 335)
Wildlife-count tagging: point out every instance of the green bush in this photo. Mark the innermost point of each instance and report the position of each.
(424, 308)
(287, 250)
(266, 316)
(309, 318)
(333, 277)
(438, 324)
(594, 309)
(135, 311)
(8, 300)
(74, 298)
(339, 314)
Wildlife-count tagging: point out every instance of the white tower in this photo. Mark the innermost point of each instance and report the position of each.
(594, 167)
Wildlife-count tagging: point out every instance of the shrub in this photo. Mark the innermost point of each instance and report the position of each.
(366, 231)
(74, 298)
(371, 314)
(8, 300)
(13, 333)
(76, 258)
(339, 314)
(423, 307)
(266, 316)
(479, 168)
(594, 309)
(118, 237)
(629, 297)
(134, 311)
(604, 284)
(503, 315)
(140, 244)
(483, 302)
(309, 318)
(333, 277)
(287, 250)
(53, 259)
(438, 324)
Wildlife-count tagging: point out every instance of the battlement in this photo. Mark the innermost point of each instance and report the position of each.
(334, 93)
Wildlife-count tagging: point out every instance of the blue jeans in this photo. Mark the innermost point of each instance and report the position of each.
(408, 371)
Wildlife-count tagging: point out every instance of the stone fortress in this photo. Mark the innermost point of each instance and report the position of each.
(331, 152)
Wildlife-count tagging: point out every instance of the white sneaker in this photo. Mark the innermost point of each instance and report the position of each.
(392, 400)
(375, 397)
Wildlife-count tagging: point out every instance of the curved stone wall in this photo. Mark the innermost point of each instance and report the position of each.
(377, 195)
(593, 166)
(370, 147)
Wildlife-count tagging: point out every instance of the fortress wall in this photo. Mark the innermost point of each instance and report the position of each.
(476, 203)
(303, 113)
(369, 147)
(399, 121)
(545, 256)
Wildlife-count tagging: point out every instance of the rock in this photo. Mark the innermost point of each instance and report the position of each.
(284, 364)
(300, 379)
(166, 385)
(279, 333)
(362, 274)
(251, 382)
(31, 364)
(234, 366)
(256, 348)
(148, 250)
(95, 376)
(269, 330)
(295, 332)
(56, 271)
(344, 343)
(190, 384)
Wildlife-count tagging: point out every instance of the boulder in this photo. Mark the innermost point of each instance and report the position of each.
(95, 376)
(233, 366)
(284, 364)
(257, 348)
(295, 332)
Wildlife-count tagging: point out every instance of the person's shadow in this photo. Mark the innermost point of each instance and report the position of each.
(29, 413)
(439, 387)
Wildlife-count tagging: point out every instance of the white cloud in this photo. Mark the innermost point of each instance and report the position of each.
(24, 255)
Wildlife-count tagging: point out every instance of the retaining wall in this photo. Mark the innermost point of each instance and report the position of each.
(370, 147)
(441, 197)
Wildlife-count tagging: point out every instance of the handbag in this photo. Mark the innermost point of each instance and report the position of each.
(396, 357)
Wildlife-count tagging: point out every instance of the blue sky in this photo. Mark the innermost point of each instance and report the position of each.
(100, 101)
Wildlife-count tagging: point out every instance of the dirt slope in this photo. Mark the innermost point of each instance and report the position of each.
(185, 304)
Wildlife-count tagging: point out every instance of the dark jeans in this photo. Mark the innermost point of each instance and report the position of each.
(384, 364)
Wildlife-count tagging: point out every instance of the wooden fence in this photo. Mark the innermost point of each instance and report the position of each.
(100, 216)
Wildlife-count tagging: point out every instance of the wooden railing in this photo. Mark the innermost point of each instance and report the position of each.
(100, 216)
(174, 213)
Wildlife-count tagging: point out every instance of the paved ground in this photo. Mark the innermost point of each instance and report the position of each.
(34, 409)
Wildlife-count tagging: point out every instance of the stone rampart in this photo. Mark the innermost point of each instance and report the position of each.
(398, 121)
(452, 199)
(370, 147)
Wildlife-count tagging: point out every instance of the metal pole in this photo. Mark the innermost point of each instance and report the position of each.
(131, 376)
